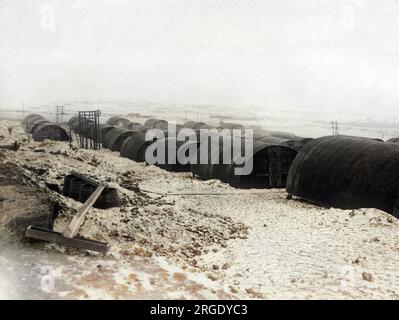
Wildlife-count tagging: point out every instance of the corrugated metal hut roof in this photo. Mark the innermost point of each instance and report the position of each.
(271, 163)
(74, 124)
(118, 122)
(123, 122)
(31, 117)
(72, 120)
(137, 127)
(230, 125)
(196, 125)
(348, 173)
(42, 129)
(156, 124)
(295, 142)
(105, 129)
(49, 130)
(134, 147)
(203, 167)
(31, 125)
(111, 121)
(111, 135)
(174, 146)
(284, 135)
(118, 139)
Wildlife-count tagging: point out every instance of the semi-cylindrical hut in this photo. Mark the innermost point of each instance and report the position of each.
(347, 172)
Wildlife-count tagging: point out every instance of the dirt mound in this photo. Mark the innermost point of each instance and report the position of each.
(22, 203)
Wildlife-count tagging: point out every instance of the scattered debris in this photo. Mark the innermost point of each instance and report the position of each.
(39, 150)
(255, 294)
(80, 187)
(12, 147)
(367, 276)
(69, 236)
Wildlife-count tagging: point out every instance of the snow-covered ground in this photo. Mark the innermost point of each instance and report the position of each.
(236, 244)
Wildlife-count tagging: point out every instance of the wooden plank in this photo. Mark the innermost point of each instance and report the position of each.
(77, 221)
(85, 178)
(56, 237)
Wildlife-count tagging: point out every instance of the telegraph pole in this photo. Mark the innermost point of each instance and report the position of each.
(334, 127)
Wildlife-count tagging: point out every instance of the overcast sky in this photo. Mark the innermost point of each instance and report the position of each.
(313, 54)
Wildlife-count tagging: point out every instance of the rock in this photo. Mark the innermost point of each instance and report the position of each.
(233, 290)
(254, 294)
(367, 276)
(113, 233)
(215, 267)
(212, 276)
(226, 266)
(193, 263)
(142, 252)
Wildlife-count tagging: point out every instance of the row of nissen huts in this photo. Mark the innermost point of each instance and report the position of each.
(272, 153)
(41, 129)
(334, 171)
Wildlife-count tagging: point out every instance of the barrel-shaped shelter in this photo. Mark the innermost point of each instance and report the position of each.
(30, 119)
(104, 130)
(42, 129)
(156, 124)
(111, 121)
(268, 163)
(31, 126)
(135, 146)
(347, 172)
(117, 121)
(196, 125)
(117, 138)
(73, 123)
(137, 127)
(112, 135)
(294, 142)
(271, 160)
(169, 151)
(230, 125)
(283, 135)
(206, 152)
(297, 143)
